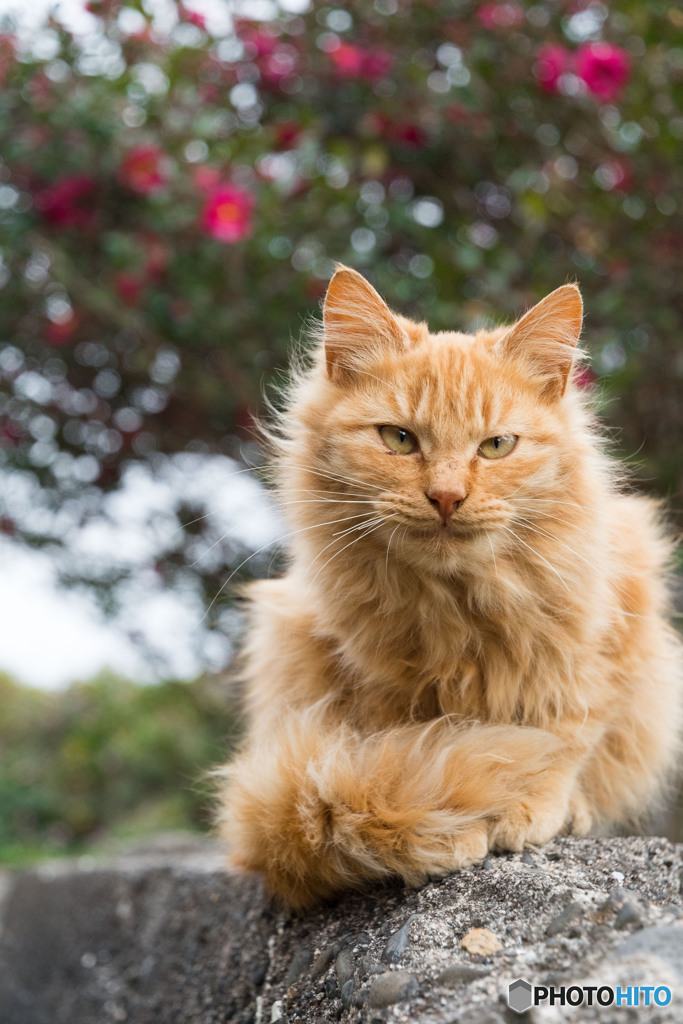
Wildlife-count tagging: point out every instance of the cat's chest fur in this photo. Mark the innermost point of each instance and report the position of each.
(418, 647)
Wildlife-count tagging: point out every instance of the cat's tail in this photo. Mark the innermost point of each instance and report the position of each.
(318, 808)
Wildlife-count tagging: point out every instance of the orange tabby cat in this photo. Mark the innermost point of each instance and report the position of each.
(469, 649)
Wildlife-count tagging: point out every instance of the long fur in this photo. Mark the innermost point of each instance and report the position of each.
(419, 692)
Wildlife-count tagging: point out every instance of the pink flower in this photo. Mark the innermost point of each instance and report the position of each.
(501, 15)
(605, 69)
(143, 170)
(227, 214)
(552, 61)
(69, 202)
(348, 60)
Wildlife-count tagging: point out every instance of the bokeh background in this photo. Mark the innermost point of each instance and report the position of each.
(176, 182)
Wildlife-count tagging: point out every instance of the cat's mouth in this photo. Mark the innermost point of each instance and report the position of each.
(444, 533)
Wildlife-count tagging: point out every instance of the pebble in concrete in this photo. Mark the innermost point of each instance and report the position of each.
(558, 924)
(344, 965)
(398, 942)
(460, 974)
(392, 987)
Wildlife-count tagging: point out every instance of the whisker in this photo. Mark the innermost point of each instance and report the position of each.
(340, 478)
(336, 537)
(493, 554)
(556, 540)
(552, 501)
(537, 553)
(263, 547)
(331, 501)
(373, 527)
(545, 515)
(386, 564)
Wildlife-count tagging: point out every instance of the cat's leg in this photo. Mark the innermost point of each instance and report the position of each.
(554, 802)
(614, 766)
(544, 811)
(317, 807)
(626, 777)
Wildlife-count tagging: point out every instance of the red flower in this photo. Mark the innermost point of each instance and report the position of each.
(227, 214)
(129, 288)
(348, 60)
(258, 42)
(287, 134)
(357, 62)
(501, 15)
(457, 113)
(103, 8)
(408, 134)
(192, 18)
(280, 64)
(69, 202)
(11, 433)
(377, 64)
(60, 332)
(412, 136)
(615, 174)
(605, 69)
(156, 255)
(7, 55)
(143, 170)
(206, 178)
(552, 61)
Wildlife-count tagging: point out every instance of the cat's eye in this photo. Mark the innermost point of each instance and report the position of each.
(497, 447)
(400, 440)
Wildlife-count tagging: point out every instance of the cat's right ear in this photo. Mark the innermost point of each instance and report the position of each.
(357, 324)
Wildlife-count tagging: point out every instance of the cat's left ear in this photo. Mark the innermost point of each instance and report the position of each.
(357, 323)
(545, 339)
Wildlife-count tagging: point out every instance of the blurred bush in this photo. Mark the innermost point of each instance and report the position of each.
(172, 202)
(106, 758)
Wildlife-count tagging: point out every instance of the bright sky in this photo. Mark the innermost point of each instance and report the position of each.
(49, 637)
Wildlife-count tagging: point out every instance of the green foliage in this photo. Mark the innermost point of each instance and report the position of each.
(172, 205)
(107, 757)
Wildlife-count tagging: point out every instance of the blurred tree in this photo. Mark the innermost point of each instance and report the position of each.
(172, 204)
(105, 758)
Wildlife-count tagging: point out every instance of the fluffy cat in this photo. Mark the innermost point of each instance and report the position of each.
(469, 648)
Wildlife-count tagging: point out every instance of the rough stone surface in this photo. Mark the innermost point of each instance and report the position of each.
(170, 938)
(392, 987)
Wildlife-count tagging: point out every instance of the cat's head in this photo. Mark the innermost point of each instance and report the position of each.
(448, 437)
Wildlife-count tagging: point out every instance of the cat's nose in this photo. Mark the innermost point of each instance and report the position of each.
(446, 501)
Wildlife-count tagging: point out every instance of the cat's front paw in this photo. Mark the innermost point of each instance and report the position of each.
(580, 816)
(527, 824)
